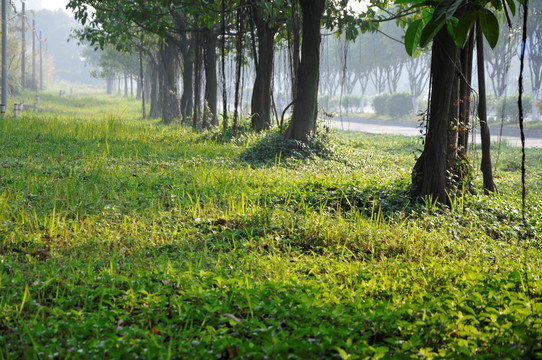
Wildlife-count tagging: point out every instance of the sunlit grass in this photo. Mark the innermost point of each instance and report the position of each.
(121, 237)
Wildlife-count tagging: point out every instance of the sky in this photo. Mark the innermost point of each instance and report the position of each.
(46, 4)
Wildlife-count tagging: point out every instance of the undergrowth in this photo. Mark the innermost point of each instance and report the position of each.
(122, 238)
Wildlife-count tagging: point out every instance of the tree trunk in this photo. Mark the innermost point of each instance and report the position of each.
(262, 90)
(429, 173)
(197, 81)
(295, 56)
(187, 52)
(304, 117)
(125, 85)
(141, 85)
(487, 173)
(170, 98)
(110, 85)
(210, 109)
(465, 87)
(238, 62)
(154, 96)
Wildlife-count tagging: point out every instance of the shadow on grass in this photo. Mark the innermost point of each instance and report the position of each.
(378, 201)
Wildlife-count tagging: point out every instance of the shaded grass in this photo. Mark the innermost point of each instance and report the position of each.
(124, 238)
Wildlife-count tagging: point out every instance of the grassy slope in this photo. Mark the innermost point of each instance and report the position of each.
(121, 237)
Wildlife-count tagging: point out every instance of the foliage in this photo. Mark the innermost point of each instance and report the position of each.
(273, 148)
(124, 238)
(396, 105)
(506, 108)
(380, 103)
(435, 15)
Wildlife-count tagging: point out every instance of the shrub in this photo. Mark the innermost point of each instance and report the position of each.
(351, 101)
(507, 107)
(396, 104)
(380, 104)
(400, 104)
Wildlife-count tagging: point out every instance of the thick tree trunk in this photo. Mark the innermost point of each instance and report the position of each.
(429, 174)
(154, 91)
(170, 97)
(487, 173)
(210, 109)
(306, 104)
(262, 90)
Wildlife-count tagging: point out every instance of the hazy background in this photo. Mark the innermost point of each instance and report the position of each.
(46, 4)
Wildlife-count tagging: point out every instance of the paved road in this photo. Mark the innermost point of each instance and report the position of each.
(533, 139)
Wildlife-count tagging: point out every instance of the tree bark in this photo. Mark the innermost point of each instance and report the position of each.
(487, 173)
(154, 91)
(429, 173)
(262, 90)
(187, 52)
(304, 117)
(210, 109)
(197, 83)
(170, 97)
(141, 85)
(465, 88)
(453, 120)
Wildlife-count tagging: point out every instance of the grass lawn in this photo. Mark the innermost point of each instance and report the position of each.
(122, 238)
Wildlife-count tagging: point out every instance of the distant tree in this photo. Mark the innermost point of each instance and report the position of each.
(111, 64)
(418, 74)
(56, 27)
(331, 66)
(358, 64)
(534, 50)
(499, 59)
(377, 58)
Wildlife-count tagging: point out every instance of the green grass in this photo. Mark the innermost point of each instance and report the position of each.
(122, 238)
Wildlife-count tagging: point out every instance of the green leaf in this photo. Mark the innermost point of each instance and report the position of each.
(412, 36)
(464, 26)
(408, 1)
(427, 16)
(446, 8)
(490, 27)
(430, 31)
(451, 25)
(496, 4)
(512, 6)
(342, 353)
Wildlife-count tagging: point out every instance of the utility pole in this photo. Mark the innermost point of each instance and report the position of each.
(34, 84)
(4, 59)
(23, 48)
(41, 65)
